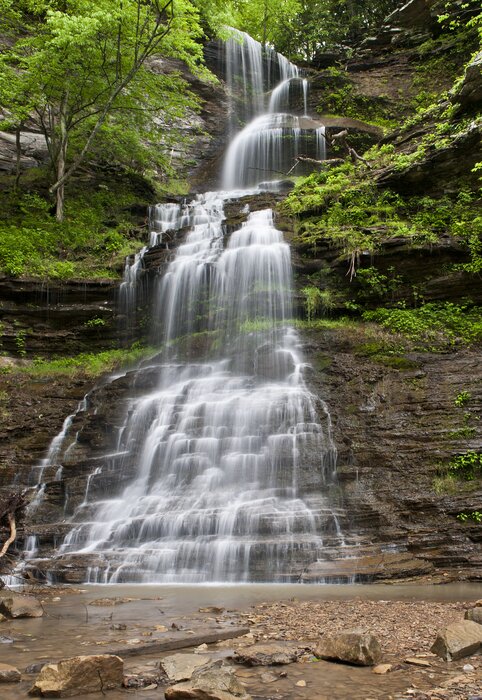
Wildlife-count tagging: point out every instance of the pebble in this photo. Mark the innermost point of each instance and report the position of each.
(468, 668)
(301, 684)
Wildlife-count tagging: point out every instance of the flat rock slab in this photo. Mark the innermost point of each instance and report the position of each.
(79, 675)
(269, 654)
(9, 674)
(352, 647)
(458, 640)
(16, 605)
(180, 667)
(218, 682)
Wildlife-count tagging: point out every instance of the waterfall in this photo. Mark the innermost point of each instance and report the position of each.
(234, 456)
(267, 147)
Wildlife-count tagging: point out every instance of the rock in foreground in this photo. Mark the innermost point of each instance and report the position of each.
(458, 640)
(474, 614)
(9, 674)
(20, 606)
(180, 667)
(79, 675)
(352, 647)
(218, 682)
(268, 654)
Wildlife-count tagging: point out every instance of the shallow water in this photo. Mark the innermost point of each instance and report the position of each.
(71, 627)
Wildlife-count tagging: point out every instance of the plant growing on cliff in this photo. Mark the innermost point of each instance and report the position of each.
(466, 466)
(80, 70)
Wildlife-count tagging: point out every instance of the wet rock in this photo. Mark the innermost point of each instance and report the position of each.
(3, 618)
(9, 674)
(352, 647)
(212, 609)
(458, 640)
(218, 682)
(20, 606)
(36, 668)
(269, 654)
(79, 675)
(180, 667)
(474, 614)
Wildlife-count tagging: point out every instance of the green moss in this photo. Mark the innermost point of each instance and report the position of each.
(85, 364)
(433, 326)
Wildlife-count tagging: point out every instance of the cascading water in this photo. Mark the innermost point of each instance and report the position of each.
(233, 455)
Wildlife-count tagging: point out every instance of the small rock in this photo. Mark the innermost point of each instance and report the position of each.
(478, 603)
(79, 675)
(3, 618)
(16, 606)
(268, 677)
(161, 628)
(301, 684)
(381, 669)
(268, 654)
(474, 614)
(118, 626)
(9, 674)
(458, 640)
(417, 662)
(201, 648)
(36, 668)
(468, 668)
(354, 647)
(217, 682)
(180, 667)
(212, 609)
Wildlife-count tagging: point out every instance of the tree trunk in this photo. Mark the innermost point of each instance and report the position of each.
(61, 159)
(18, 147)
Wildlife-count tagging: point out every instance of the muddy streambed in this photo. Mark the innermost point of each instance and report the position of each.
(129, 619)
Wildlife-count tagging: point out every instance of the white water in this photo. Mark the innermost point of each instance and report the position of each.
(234, 455)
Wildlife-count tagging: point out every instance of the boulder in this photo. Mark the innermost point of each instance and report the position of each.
(180, 667)
(79, 675)
(458, 640)
(269, 654)
(352, 647)
(9, 674)
(16, 605)
(474, 614)
(470, 90)
(217, 682)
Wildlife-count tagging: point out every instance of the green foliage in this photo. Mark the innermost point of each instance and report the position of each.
(462, 398)
(78, 71)
(95, 322)
(432, 326)
(466, 516)
(347, 102)
(33, 243)
(344, 207)
(466, 466)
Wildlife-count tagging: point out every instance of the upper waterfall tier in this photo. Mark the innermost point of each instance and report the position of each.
(266, 148)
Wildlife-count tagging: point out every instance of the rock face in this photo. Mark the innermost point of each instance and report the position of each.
(218, 682)
(268, 654)
(9, 674)
(15, 606)
(180, 667)
(79, 675)
(353, 647)
(458, 640)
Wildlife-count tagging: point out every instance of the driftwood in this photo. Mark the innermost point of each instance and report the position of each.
(341, 138)
(12, 511)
